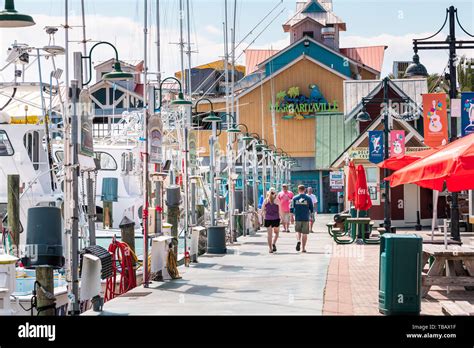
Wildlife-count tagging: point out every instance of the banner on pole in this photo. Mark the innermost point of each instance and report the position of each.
(467, 114)
(397, 143)
(376, 148)
(435, 119)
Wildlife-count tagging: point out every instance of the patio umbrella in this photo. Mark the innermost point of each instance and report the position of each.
(351, 182)
(399, 162)
(453, 165)
(362, 198)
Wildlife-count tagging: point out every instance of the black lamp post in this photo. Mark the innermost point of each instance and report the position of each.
(363, 116)
(417, 69)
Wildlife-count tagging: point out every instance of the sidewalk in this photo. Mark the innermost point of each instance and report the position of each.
(353, 276)
(246, 281)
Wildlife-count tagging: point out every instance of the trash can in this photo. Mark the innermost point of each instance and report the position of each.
(216, 240)
(400, 274)
(362, 213)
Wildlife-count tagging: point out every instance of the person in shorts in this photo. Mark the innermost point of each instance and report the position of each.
(302, 208)
(315, 207)
(285, 197)
(271, 213)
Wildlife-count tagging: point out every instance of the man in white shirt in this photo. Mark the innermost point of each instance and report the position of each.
(315, 206)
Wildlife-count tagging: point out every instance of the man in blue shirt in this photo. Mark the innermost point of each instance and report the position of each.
(302, 209)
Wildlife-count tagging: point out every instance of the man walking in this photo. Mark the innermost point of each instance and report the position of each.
(285, 198)
(314, 199)
(302, 208)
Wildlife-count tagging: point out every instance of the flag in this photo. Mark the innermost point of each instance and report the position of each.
(467, 113)
(376, 149)
(397, 143)
(435, 119)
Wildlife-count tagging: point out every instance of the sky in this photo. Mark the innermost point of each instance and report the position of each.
(369, 22)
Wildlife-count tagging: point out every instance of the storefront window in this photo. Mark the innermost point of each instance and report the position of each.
(6, 148)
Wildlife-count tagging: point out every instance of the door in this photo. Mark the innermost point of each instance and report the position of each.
(411, 203)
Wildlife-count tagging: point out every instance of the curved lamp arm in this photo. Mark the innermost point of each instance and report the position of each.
(90, 60)
(161, 89)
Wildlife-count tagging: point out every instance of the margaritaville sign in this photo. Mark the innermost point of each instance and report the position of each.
(293, 105)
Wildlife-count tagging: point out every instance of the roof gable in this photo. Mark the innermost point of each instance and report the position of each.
(315, 50)
(314, 7)
(276, 73)
(412, 137)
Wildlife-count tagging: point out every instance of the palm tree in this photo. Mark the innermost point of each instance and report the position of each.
(465, 74)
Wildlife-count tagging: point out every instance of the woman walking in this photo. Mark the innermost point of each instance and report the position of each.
(271, 214)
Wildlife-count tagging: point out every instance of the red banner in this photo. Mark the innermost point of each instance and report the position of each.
(397, 143)
(435, 119)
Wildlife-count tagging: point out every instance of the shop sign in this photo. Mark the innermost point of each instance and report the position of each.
(362, 153)
(467, 114)
(293, 105)
(336, 181)
(376, 146)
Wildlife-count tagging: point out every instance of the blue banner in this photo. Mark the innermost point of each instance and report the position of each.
(467, 113)
(376, 150)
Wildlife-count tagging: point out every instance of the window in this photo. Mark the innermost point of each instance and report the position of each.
(107, 162)
(32, 143)
(372, 174)
(59, 156)
(6, 148)
(308, 34)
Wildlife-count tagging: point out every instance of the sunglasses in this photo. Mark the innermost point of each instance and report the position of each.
(272, 193)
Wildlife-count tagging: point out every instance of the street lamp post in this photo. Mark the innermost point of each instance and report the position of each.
(76, 86)
(180, 101)
(417, 69)
(363, 116)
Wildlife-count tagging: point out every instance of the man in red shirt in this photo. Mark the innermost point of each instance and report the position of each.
(285, 198)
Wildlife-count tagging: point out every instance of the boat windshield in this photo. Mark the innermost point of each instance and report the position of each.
(6, 148)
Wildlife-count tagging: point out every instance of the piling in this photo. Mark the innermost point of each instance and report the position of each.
(127, 229)
(45, 295)
(13, 210)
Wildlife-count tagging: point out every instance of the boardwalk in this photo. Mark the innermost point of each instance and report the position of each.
(246, 281)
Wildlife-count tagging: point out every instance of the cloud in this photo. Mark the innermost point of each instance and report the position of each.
(213, 30)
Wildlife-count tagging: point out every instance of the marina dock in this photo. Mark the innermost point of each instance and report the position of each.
(248, 280)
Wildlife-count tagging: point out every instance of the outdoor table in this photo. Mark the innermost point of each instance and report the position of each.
(363, 222)
(453, 260)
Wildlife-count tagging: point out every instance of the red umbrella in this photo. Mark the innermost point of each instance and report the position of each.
(396, 163)
(453, 165)
(362, 198)
(351, 182)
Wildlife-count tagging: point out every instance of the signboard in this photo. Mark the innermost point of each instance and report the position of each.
(376, 148)
(435, 119)
(86, 114)
(192, 145)
(397, 143)
(456, 108)
(293, 105)
(336, 181)
(156, 140)
(362, 153)
(467, 113)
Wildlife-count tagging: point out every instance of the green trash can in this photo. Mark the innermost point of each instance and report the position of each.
(400, 274)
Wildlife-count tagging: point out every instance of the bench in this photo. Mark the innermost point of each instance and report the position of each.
(456, 308)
